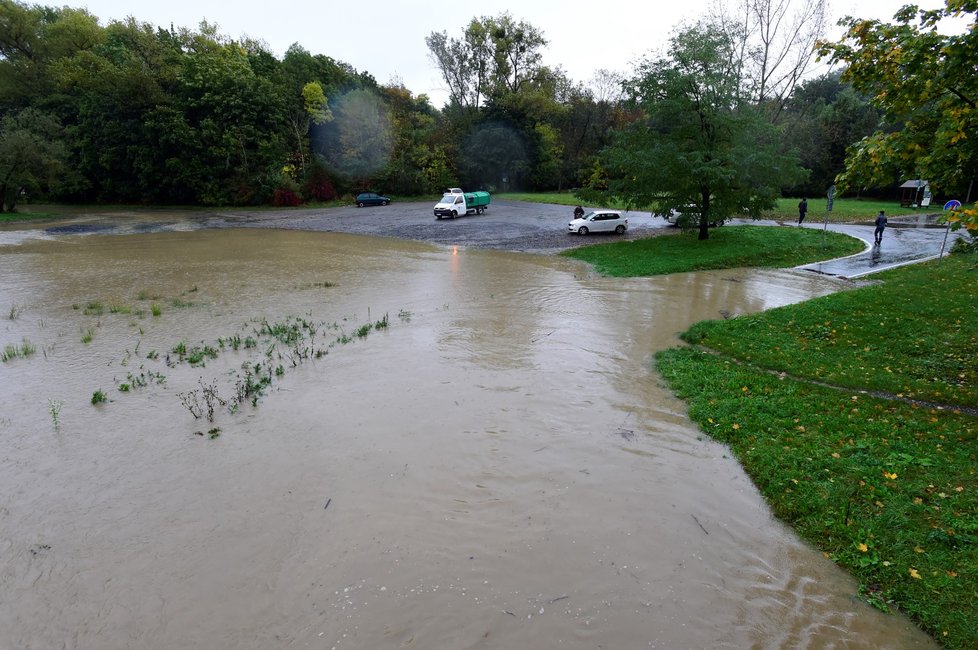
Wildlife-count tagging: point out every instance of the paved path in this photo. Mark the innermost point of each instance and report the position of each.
(903, 243)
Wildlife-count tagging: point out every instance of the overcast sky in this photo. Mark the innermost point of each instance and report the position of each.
(387, 37)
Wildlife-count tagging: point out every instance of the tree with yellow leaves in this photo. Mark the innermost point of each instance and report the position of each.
(927, 87)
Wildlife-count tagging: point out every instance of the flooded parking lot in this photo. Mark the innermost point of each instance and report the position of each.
(498, 466)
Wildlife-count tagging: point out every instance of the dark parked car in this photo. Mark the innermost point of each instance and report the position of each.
(371, 198)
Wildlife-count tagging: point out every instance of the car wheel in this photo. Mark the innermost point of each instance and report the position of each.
(478, 210)
(582, 230)
(454, 214)
(620, 229)
(385, 203)
(359, 204)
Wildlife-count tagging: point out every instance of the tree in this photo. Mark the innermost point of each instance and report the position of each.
(495, 154)
(31, 156)
(925, 82)
(773, 44)
(824, 116)
(359, 140)
(494, 56)
(698, 144)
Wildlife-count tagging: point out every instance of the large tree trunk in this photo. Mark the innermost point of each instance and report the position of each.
(705, 217)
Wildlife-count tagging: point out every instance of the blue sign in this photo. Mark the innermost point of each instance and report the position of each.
(953, 204)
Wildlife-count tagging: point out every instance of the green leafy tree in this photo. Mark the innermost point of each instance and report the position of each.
(31, 155)
(924, 81)
(824, 116)
(360, 139)
(495, 155)
(32, 38)
(697, 143)
(237, 118)
(494, 56)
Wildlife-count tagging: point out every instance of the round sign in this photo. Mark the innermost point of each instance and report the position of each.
(953, 204)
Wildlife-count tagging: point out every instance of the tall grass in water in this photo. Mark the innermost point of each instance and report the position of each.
(12, 351)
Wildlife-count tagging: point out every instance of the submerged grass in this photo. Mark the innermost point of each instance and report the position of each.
(727, 247)
(886, 488)
(12, 351)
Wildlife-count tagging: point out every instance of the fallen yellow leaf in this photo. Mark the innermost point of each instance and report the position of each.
(862, 547)
(914, 574)
(917, 549)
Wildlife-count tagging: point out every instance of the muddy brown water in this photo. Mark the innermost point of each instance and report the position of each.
(500, 467)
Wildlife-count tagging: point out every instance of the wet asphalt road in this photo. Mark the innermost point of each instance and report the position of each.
(507, 225)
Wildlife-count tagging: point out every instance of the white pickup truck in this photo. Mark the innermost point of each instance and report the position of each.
(456, 203)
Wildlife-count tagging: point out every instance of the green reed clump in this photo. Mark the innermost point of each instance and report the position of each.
(156, 310)
(99, 397)
(12, 351)
(198, 355)
(87, 336)
(94, 308)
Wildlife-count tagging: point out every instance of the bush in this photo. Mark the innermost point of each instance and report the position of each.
(285, 197)
(968, 244)
(317, 185)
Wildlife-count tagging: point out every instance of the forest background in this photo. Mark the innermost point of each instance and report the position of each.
(134, 113)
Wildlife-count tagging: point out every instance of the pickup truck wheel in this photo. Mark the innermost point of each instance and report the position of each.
(478, 210)
(454, 214)
(620, 230)
(582, 230)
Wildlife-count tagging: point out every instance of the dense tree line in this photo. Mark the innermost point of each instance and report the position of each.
(130, 112)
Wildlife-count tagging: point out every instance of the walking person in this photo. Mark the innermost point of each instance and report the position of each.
(880, 226)
(802, 210)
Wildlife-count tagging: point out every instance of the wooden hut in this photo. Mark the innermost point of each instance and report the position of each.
(912, 192)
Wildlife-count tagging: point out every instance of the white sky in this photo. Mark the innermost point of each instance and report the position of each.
(386, 37)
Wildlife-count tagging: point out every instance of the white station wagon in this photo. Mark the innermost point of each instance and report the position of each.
(599, 221)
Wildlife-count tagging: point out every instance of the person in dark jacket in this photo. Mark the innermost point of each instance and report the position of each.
(880, 226)
(802, 210)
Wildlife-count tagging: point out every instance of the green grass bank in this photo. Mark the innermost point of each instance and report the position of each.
(727, 247)
(814, 399)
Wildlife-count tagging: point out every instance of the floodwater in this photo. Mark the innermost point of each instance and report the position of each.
(499, 467)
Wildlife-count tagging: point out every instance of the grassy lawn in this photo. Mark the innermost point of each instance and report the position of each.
(11, 217)
(886, 488)
(843, 210)
(727, 247)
